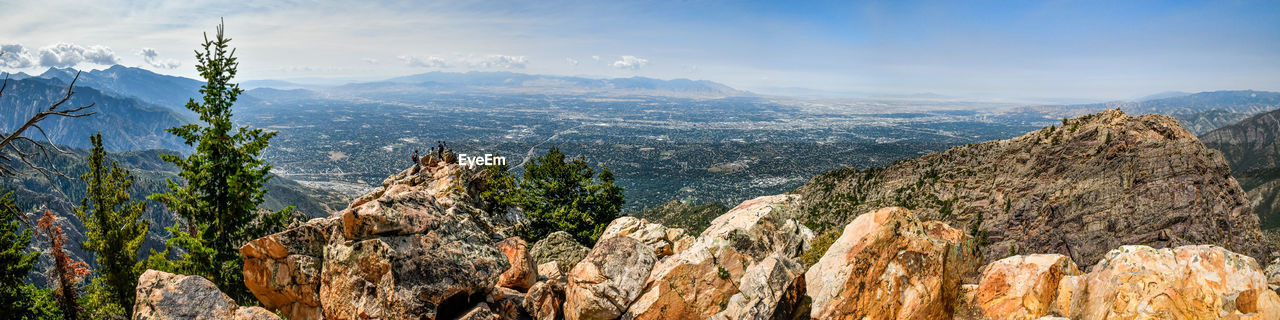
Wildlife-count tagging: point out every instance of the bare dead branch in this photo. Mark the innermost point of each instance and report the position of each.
(9, 145)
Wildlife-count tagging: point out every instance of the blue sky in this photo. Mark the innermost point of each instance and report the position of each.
(996, 49)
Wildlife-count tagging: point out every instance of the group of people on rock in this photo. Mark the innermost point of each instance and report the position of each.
(437, 151)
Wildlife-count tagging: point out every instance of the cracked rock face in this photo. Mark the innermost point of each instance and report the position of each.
(889, 265)
(604, 283)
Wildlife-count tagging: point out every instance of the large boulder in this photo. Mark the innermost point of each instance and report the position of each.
(1189, 282)
(522, 273)
(163, 295)
(560, 247)
(604, 283)
(283, 269)
(698, 282)
(889, 265)
(1023, 287)
(664, 241)
(770, 289)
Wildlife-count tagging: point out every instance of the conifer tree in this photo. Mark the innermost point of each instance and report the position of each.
(115, 232)
(221, 182)
(559, 194)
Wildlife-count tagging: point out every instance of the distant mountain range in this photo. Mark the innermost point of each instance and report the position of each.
(1198, 113)
(1252, 147)
(128, 123)
(507, 82)
(168, 92)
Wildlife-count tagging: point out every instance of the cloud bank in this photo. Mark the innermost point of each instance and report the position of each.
(59, 55)
(493, 61)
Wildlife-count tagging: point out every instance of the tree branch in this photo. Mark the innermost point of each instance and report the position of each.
(9, 145)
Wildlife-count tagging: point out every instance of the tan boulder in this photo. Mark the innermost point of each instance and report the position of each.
(550, 270)
(522, 273)
(604, 283)
(545, 300)
(770, 289)
(283, 269)
(889, 265)
(698, 282)
(664, 241)
(162, 295)
(1022, 287)
(1189, 282)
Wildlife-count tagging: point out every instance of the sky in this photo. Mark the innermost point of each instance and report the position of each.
(990, 49)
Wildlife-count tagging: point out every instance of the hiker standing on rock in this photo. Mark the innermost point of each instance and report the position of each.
(414, 157)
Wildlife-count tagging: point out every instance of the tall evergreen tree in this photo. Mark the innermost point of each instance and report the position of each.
(15, 260)
(566, 195)
(115, 232)
(222, 181)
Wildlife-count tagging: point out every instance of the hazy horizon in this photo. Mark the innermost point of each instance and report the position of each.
(1051, 50)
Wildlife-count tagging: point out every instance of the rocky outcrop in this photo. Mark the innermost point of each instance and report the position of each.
(604, 283)
(522, 273)
(1132, 282)
(698, 282)
(420, 246)
(1079, 189)
(889, 265)
(1024, 287)
(163, 295)
(560, 247)
(664, 241)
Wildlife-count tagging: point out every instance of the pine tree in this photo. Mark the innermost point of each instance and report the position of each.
(115, 232)
(67, 272)
(15, 260)
(560, 195)
(222, 181)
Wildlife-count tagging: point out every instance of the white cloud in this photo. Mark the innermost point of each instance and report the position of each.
(370, 60)
(15, 56)
(630, 63)
(493, 61)
(596, 58)
(572, 61)
(151, 57)
(63, 55)
(427, 62)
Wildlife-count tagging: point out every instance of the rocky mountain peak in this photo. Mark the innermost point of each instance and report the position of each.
(1078, 189)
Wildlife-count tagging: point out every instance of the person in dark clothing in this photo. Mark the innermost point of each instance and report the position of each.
(415, 156)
